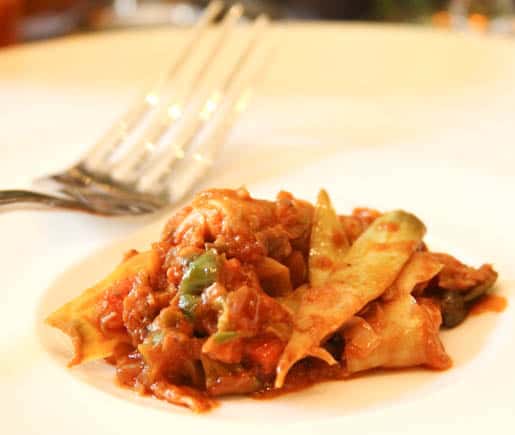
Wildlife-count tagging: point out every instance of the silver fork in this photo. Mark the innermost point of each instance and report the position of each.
(169, 138)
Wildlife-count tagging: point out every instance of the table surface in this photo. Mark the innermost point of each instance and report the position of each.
(330, 88)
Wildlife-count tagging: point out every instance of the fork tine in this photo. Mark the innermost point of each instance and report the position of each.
(96, 157)
(126, 169)
(154, 176)
(190, 169)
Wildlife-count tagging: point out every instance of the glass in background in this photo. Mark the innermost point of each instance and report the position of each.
(362, 10)
(47, 18)
(40, 19)
(493, 16)
(142, 13)
(418, 11)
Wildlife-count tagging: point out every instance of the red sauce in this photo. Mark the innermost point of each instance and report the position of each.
(366, 215)
(310, 372)
(489, 304)
(339, 239)
(398, 246)
(322, 262)
(391, 227)
(303, 375)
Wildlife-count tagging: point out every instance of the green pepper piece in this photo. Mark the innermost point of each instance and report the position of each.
(201, 273)
(188, 304)
(224, 336)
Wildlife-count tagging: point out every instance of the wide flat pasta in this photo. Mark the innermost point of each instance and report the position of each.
(329, 242)
(422, 267)
(395, 334)
(78, 318)
(371, 266)
(397, 331)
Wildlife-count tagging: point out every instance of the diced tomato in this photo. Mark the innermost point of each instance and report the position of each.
(265, 352)
(234, 275)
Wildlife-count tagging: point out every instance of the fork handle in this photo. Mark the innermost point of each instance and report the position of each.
(9, 198)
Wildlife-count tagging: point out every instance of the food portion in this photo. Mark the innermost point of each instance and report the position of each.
(247, 296)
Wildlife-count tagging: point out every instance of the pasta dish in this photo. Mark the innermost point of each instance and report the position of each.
(256, 297)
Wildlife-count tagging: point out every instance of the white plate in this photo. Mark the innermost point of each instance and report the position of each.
(385, 117)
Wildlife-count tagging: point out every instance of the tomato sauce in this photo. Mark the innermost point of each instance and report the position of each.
(390, 227)
(489, 304)
(305, 374)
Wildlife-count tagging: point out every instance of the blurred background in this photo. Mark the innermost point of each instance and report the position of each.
(22, 21)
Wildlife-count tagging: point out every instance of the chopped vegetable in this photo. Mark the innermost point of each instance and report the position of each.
(453, 309)
(222, 337)
(188, 303)
(223, 379)
(274, 277)
(482, 288)
(201, 272)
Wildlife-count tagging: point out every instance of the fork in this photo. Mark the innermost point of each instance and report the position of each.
(168, 139)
